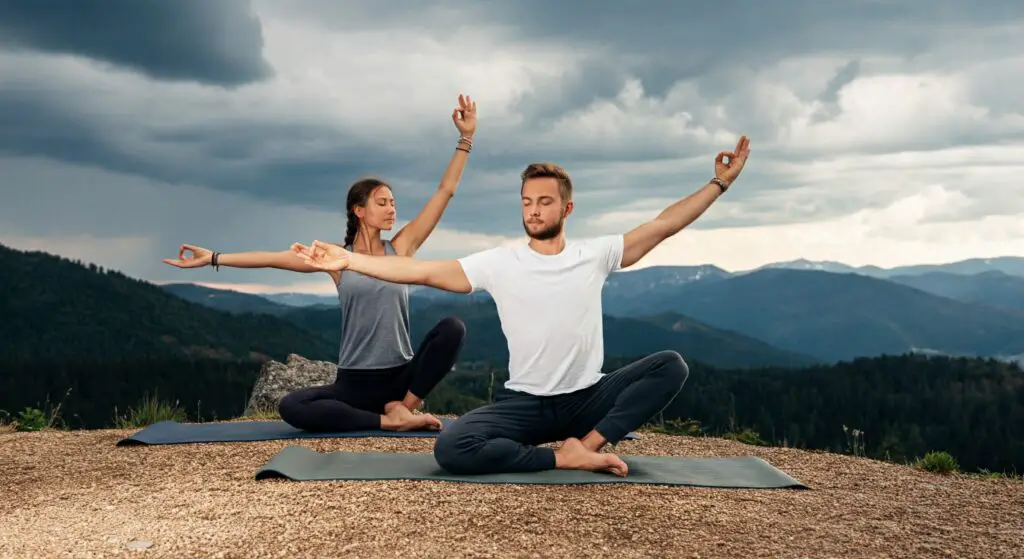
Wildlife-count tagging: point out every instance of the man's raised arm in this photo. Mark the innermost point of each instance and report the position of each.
(442, 274)
(674, 218)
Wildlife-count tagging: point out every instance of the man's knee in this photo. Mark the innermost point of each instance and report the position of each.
(672, 366)
(454, 450)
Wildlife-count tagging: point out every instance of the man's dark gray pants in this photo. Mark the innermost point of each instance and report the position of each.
(503, 436)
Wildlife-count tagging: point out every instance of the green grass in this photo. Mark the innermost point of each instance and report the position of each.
(148, 411)
(940, 462)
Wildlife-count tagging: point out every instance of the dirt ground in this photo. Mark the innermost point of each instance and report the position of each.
(74, 494)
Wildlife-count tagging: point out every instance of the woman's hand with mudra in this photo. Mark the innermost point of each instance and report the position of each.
(323, 256)
(464, 116)
(200, 257)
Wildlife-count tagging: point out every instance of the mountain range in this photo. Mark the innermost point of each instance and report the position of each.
(826, 310)
(788, 315)
(60, 309)
(997, 282)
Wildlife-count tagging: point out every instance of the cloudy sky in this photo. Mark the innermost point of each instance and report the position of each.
(882, 132)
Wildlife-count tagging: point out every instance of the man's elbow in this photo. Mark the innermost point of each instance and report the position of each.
(447, 276)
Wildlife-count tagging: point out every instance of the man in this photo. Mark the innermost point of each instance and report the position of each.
(548, 296)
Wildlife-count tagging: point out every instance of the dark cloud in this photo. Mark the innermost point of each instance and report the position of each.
(218, 42)
(718, 46)
(231, 157)
(709, 33)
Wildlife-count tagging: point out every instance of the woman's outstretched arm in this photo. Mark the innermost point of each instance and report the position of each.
(413, 235)
(200, 257)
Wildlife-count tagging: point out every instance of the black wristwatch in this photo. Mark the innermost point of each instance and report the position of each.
(721, 184)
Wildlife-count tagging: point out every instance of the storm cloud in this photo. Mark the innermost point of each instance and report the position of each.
(219, 43)
(852, 107)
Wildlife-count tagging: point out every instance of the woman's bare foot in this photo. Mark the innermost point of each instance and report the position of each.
(572, 455)
(397, 417)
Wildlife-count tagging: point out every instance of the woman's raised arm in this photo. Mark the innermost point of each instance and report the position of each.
(416, 232)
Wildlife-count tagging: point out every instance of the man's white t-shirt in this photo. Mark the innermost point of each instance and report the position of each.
(550, 309)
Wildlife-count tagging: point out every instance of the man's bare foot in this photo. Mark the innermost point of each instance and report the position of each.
(572, 455)
(397, 417)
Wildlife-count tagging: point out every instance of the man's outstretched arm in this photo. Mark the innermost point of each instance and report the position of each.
(673, 219)
(442, 274)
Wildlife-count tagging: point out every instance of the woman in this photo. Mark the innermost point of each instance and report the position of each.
(380, 380)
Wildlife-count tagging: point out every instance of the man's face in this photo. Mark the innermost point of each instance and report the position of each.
(544, 211)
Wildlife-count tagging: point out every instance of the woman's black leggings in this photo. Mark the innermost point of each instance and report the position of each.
(356, 399)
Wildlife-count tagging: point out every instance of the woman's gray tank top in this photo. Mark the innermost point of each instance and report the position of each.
(374, 321)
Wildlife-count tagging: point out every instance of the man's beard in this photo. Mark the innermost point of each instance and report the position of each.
(547, 233)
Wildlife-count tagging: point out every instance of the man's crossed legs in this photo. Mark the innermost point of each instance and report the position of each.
(503, 436)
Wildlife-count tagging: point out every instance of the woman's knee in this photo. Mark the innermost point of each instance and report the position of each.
(451, 328)
(293, 405)
(289, 406)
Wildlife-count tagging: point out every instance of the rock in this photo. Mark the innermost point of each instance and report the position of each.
(139, 545)
(277, 379)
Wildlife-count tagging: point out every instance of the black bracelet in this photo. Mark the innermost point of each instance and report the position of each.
(462, 149)
(721, 184)
(213, 261)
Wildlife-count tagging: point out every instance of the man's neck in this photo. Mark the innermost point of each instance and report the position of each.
(549, 246)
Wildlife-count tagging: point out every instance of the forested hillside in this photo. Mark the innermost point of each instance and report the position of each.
(58, 309)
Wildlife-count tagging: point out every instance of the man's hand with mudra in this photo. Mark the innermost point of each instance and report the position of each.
(729, 170)
(323, 256)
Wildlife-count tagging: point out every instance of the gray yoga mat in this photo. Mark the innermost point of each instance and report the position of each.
(172, 432)
(299, 463)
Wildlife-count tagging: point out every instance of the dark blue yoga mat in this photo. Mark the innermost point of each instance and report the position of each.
(172, 432)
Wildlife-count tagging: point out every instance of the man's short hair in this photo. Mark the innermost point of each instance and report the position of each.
(549, 170)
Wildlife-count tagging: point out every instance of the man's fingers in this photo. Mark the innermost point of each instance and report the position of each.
(319, 249)
(724, 154)
(741, 144)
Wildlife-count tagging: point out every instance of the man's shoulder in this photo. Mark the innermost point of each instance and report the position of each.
(601, 239)
(494, 253)
(599, 243)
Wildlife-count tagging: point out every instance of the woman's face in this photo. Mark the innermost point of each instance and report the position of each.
(379, 211)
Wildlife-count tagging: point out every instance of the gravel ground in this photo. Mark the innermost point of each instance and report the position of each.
(74, 494)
